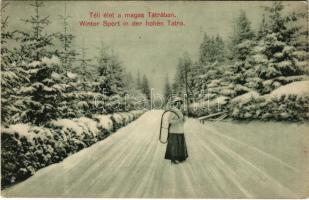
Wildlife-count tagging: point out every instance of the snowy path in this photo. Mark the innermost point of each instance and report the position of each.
(130, 163)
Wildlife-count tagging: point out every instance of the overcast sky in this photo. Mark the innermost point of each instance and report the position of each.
(153, 51)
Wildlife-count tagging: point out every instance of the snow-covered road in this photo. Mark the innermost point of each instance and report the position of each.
(226, 159)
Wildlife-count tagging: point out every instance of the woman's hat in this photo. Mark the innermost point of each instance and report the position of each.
(177, 99)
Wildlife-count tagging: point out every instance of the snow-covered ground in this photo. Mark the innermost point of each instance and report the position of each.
(299, 88)
(226, 159)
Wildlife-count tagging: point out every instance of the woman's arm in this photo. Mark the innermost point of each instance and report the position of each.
(175, 121)
(176, 118)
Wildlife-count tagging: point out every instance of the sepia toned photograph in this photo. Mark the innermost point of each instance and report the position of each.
(154, 99)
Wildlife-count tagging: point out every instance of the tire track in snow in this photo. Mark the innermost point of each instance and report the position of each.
(201, 167)
(229, 173)
(106, 165)
(282, 188)
(144, 152)
(247, 146)
(120, 158)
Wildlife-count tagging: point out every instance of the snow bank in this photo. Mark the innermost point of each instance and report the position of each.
(67, 127)
(72, 75)
(286, 103)
(28, 132)
(198, 109)
(244, 98)
(121, 119)
(104, 121)
(289, 103)
(42, 146)
(227, 92)
(273, 84)
(54, 60)
(222, 100)
(21, 129)
(118, 119)
(299, 88)
(89, 126)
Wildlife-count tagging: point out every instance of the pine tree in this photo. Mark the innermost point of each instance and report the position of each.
(183, 71)
(129, 83)
(34, 44)
(167, 90)
(242, 43)
(129, 79)
(212, 50)
(82, 69)
(5, 36)
(262, 29)
(198, 81)
(43, 95)
(277, 53)
(68, 106)
(145, 87)
(110, 73)
(67, 54)
(86, 93)
(138, 81)
(220, 49)
(242, 31)
(204, 49)
(13, 74)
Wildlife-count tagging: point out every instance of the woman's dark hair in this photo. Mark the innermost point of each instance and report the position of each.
(177, 101)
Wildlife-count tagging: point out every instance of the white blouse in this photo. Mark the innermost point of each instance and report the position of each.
(176, 125)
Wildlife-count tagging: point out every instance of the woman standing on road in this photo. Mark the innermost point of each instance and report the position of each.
(176, 149)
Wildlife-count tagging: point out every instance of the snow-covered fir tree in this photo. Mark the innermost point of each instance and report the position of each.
(67, 54)
(110, 72)
(241, 44)
(13, 74)
(168, 92)
(35, 44)
(183, 74)
(241, 31)
(211, 50)
(84, 63)
(277, 54)
(44, 94)
(138, 81)
(145, 89)
(262, 29)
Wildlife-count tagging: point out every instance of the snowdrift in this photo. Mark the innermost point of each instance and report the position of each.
(288, 103)
(244, 98)
(202, 108)
(299, 88)
(27, 148)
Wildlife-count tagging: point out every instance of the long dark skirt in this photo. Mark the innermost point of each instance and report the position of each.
(176, 147)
